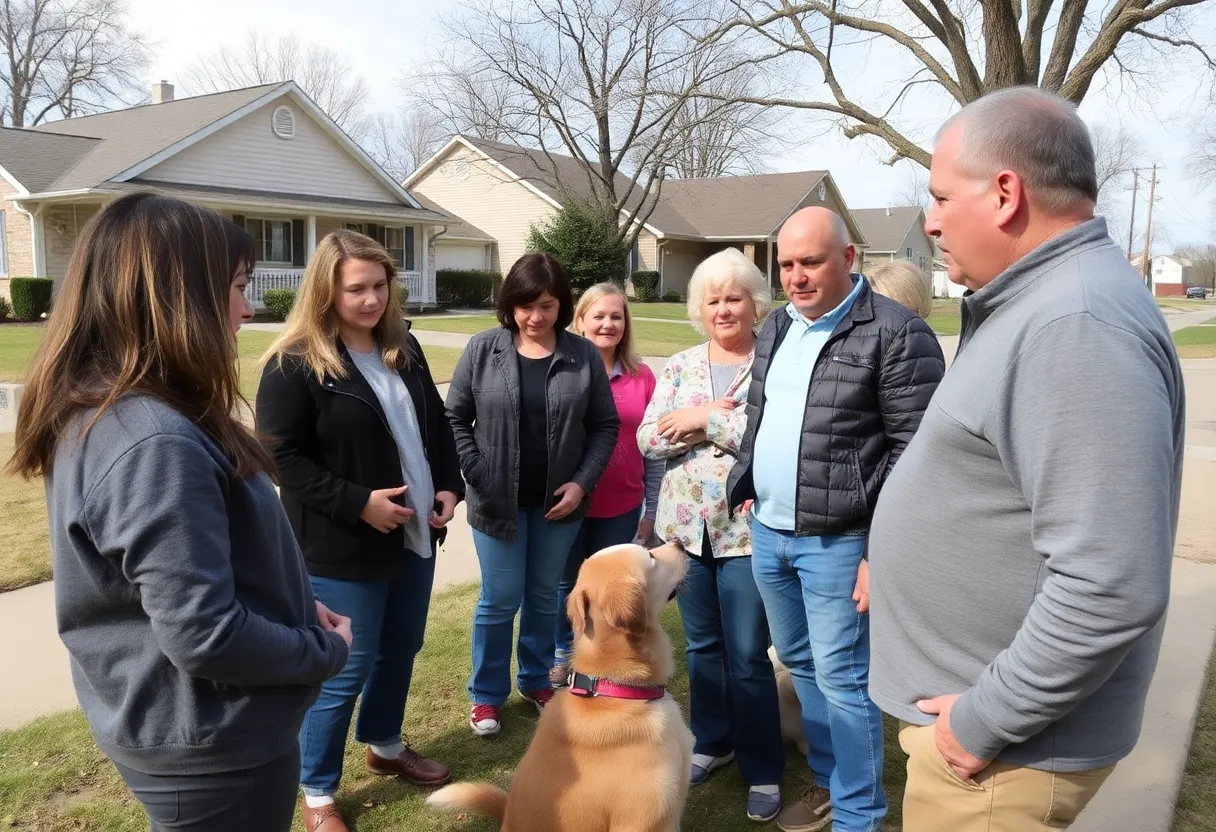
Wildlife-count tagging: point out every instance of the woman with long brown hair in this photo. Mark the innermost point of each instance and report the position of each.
(196, 643)
(370, 478)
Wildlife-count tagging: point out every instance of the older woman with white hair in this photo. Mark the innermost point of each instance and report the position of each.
(696, 420)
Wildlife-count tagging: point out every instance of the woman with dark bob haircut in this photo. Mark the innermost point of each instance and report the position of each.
(535, 425)
(180, 593)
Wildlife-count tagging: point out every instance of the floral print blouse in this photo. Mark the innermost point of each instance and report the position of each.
(693, 495)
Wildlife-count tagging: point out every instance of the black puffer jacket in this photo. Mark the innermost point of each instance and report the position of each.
(870, 386)
(483, 407)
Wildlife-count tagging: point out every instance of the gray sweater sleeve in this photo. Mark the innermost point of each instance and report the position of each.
(1084, 428)
(159, 512)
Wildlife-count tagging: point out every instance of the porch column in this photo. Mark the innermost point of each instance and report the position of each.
(312, 236)
(769, 264)
(38, 235)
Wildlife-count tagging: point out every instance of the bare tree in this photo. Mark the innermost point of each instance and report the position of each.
(1202, 158)
(463, 99)
(320, 72)
(1203, 264)
(881, 62)
(915, 188)
(401, 141)
(605, 82)
(718, 138)
(67, 58)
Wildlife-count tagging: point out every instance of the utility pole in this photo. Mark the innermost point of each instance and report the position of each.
(1148, 232)
(1131, 230)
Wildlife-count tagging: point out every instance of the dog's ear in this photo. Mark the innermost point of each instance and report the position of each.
(624, 606)
(578, 608)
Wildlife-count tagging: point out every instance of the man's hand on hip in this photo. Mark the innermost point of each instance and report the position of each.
(861, 593)
(965, 764)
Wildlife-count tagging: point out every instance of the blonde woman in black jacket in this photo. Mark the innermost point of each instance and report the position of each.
(369, 478)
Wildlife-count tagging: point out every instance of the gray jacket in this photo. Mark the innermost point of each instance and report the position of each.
(483, 406)
(1020, 552)
(181, 596)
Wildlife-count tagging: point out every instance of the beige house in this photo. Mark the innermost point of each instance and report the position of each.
(500, 191)
(266, 157)
(895, 234)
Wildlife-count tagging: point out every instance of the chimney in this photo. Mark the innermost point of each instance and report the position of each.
(162, 92)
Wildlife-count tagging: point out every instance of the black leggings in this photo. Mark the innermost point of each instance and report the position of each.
(261, 799)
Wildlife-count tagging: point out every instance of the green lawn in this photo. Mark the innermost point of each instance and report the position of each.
(1187, 304)
(1197, 341)
(53, 779)
(654, 338)
(1197, 802)
(24, 543)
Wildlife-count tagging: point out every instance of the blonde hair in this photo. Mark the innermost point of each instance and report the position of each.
(903, 282)
(625, 352)
(312, 326)
(716, 271)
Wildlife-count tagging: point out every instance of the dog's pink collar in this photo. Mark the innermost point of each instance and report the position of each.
(589, 686)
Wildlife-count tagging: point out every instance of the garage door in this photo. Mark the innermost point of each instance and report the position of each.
(460, 256)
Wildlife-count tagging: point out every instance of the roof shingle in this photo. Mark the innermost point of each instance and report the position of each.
(885, 228)
(36, 160)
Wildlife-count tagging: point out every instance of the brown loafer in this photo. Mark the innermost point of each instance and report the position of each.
(322, 819)
(411, 766)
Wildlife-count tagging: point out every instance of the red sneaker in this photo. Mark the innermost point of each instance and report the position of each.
(483, 719)
(540, 698)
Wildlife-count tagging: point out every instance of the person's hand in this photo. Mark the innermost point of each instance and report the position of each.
(683, 424)
(569, 496)
(965, 764)
(382, 514)
(861, 593)
(744, 507)
(645, 531)
(439, 519)
(332, 622)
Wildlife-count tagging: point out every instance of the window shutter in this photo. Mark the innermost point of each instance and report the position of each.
(408, 235)
(298, 256)
(239, 219)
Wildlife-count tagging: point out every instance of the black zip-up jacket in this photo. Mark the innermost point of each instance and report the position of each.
(483, 406)
(332, 445)
(870, 386)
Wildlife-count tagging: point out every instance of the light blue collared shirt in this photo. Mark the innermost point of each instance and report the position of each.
(786, 387)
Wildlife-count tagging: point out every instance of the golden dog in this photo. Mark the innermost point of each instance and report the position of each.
(611, 752)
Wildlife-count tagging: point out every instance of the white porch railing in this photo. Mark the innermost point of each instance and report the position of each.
(419, 291)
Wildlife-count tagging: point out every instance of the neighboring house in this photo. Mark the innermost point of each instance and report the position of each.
(501, 191)
(266, 157)
(1171, 275)
(895, 233)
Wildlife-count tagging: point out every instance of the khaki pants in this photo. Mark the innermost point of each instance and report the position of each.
(1001, 798)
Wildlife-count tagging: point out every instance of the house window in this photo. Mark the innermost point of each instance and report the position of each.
(635, 256)
(3, 246)
(271, 238)
(398, 241)
(908, 252)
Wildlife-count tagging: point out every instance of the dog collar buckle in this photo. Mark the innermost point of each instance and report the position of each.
(591, 687)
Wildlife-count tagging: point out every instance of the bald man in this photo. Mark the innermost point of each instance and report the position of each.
(840, 380)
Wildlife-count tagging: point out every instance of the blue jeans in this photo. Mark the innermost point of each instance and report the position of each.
(807, 584)
(521, 576)
(388, 620)
(730, 679)
(597, 533)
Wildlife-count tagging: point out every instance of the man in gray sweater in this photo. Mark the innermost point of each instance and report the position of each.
(1017, 611)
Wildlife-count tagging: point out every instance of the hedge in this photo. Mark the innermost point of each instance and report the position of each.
(474, 288)
(646, 286)
(672, 297)
(279, 302)
(31, 297)
(5, 309)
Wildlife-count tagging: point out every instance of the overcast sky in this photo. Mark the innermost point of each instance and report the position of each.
(378, 37)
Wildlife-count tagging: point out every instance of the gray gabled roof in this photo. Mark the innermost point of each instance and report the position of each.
(36, 160)
(128, 137)
(885, 228)
(742, 206)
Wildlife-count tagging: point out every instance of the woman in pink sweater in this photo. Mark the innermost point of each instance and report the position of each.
(629, 481)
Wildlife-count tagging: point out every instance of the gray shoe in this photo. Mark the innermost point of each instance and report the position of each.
(810, 814)
(700, 774)
(761, 806)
